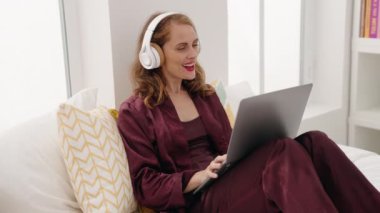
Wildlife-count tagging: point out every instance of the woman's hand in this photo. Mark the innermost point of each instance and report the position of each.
(214, 166)
(210, 172)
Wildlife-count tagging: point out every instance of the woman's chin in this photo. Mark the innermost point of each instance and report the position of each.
(191, 77)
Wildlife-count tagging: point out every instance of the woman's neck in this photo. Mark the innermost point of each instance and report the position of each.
(174, 88)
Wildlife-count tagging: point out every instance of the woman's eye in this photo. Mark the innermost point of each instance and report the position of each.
(181, 48)
(185, 47)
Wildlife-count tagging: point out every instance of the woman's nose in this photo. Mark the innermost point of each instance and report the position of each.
(193, 52)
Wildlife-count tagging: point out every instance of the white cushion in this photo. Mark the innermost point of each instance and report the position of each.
(85, 99)
(236, 92)
(367, 162)
(355, 154)
(231, 96)
(33, 177)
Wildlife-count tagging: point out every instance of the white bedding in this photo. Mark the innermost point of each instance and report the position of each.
(367, 162)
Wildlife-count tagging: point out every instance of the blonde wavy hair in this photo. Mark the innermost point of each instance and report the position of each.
(150, 84)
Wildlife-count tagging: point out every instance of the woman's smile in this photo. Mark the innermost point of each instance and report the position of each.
(189, 67)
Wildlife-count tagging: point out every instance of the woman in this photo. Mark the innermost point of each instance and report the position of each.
(176, 135)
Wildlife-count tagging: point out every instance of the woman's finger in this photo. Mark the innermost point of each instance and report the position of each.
(221, 158)
(215, 165)
(211, 174)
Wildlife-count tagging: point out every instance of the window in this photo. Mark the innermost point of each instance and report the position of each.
(264, 43)
(32, 65)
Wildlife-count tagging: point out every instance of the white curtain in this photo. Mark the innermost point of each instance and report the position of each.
(264, 43)
(32, 65)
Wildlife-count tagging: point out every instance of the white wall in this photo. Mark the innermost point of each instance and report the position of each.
(281, 44)
(127, 19)
(90, 48)
(106, 34)
(102, 37)
(73, 28)
(328, 37)
(244, 42)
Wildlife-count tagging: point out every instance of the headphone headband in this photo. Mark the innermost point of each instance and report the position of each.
(148, 56)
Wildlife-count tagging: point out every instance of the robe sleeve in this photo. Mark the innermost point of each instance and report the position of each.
(152, 187)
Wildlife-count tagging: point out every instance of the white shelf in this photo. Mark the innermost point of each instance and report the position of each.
(317, 109)
(366, 45)
(364, 119)
(367, 118)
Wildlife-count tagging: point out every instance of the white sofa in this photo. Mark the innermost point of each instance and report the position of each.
(367, 162)
(32, 170)
(33, 177)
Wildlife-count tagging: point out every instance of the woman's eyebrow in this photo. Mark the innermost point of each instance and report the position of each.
(182, 44)
(185, 43)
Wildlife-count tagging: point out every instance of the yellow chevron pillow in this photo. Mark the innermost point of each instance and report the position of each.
(95, 159)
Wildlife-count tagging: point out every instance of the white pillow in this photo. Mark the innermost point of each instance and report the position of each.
(231, 96)
(33, 177)
(236, 92)
(85, 99)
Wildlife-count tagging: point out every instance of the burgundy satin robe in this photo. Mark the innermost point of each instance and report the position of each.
(157, 149)
(307, 174)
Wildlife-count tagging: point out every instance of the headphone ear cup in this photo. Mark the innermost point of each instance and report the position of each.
(158, 55)
(145, 60)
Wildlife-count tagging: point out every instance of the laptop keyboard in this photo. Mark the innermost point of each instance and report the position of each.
(223, 169)
(220, 172)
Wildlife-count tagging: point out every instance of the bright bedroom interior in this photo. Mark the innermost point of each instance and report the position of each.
(51, 50)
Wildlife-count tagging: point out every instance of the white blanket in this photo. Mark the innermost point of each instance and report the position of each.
(367, 162)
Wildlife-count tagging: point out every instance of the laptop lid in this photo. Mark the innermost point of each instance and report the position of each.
(263, 118)
(266, 117)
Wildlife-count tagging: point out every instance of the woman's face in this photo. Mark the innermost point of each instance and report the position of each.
(180, 52)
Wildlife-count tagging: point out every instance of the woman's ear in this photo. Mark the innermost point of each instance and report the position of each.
(159, 53)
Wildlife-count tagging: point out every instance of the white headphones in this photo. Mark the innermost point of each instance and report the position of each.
(151, 55)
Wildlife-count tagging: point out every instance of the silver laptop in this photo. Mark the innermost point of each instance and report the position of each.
(263, 118)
